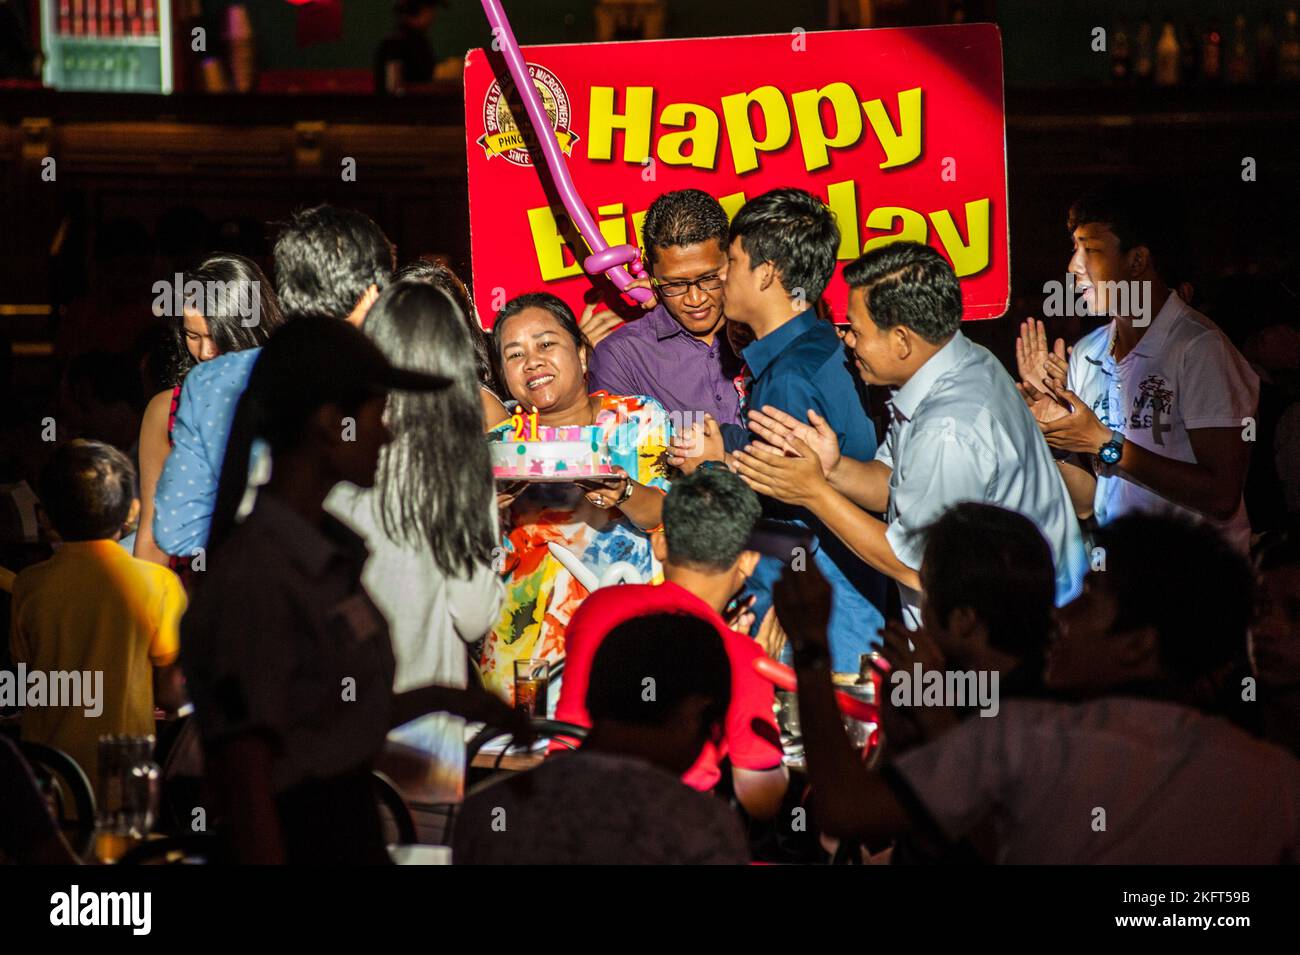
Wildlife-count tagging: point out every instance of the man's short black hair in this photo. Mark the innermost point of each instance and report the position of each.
(1186, 581)
(909, 284)
(996, 562)
(708, 517)
(683, 217)
(87, 488)
(1139, 213)
(326, 258)
(647, 666)
(794, 231)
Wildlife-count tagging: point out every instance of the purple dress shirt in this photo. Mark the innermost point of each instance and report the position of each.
(655, 356)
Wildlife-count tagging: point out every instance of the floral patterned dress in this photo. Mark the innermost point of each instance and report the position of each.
(541, 594)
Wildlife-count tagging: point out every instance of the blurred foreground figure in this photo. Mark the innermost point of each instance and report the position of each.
(1275, 637)
(1132, 773)
(660, 686)
(289, 661)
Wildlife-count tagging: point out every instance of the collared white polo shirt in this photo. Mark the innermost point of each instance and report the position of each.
(1183, 375)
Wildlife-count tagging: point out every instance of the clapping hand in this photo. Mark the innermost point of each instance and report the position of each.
(1078, 430)
(778, 428)
(903, 649)
(1032, 353)
(1038, 366)
(772, 472)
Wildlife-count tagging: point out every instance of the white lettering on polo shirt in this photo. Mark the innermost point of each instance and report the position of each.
(1183, 375)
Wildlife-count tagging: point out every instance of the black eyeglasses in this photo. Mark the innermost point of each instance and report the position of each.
(709, 283)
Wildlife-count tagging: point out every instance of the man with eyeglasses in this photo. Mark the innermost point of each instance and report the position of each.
(678, 353)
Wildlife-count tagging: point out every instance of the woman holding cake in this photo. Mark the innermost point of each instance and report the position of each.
(600, 521)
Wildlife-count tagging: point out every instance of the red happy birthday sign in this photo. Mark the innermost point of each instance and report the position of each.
(900, 131)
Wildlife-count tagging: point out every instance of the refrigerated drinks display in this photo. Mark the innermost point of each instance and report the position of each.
(119, 46)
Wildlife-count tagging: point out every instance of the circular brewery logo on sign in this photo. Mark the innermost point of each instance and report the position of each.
(502, 136)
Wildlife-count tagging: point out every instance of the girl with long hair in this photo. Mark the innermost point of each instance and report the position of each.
(229, 305)
(430, 524)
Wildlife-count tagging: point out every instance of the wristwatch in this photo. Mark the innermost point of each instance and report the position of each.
(1112, 450)
(627, 492)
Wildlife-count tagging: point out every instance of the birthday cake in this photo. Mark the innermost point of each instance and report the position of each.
(554, 454)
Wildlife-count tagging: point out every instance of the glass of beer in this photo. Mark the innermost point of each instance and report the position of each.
(531, 678)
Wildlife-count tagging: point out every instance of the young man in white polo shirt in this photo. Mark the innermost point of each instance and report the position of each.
(958, 431)
(1157, 405)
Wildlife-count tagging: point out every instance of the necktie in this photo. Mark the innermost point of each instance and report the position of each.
(743, 382)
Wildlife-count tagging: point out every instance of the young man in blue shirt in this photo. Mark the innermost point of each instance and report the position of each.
(780, 257)
(959, 431)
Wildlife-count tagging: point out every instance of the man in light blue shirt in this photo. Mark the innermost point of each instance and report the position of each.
(328, 261)
(959, 431)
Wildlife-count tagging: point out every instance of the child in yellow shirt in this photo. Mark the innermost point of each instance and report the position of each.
(93, 629)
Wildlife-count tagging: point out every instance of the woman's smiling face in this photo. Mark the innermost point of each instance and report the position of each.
(543, 365)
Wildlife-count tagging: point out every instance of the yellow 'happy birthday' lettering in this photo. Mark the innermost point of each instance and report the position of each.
(696, 129)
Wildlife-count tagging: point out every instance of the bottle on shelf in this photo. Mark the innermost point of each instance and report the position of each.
(1121, 55)
(1144, 61)
(1238, 63)
(1288, 50)
(134, 19)
(239, 40)
(1266, 50)
(1168, 58)
(1212, 54)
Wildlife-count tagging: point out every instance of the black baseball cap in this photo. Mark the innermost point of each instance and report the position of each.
(316, 360)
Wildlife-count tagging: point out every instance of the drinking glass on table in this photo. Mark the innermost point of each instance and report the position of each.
(128, 795)
(532, 677)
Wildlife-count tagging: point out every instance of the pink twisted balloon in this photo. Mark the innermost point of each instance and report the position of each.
(621, 263)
